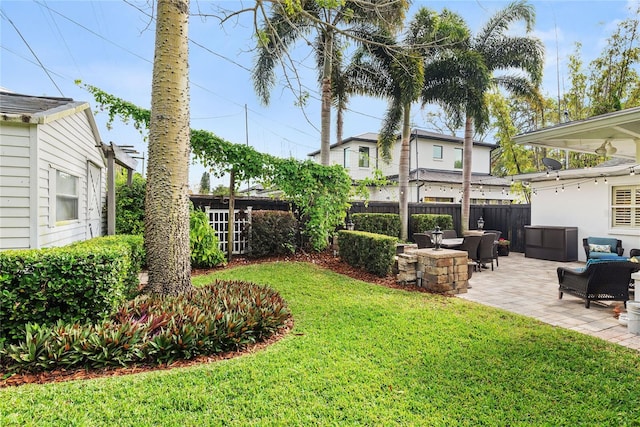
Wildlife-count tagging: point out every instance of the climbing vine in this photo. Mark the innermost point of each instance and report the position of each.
(320, 192)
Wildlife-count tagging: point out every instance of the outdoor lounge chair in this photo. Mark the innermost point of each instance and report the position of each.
(602, 248)
(599, 280)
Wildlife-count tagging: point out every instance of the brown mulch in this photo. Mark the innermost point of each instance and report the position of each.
(324, 260)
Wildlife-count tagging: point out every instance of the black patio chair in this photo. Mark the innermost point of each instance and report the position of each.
(423, 240)
(470, 244)
(600, 280)
(449, 234)
(486, 250)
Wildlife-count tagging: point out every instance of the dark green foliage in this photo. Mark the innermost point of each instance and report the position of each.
(80, 282)
(373, 252)
(222, 316)
(272, 233)
(205, 183)
(427, 222)
(130, 205)
(205, 246)
(388, 224)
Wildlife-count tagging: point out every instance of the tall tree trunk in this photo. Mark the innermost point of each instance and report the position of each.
(167, 201)
(467, 157)
(325, 113)
(403, 173)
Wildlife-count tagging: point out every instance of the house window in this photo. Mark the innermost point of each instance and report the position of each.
(363, 157)
(457, 162)
(66, 196)
(437, 152)
(345, 156)
(625, 206)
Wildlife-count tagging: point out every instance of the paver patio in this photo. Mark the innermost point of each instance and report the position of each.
(529, 287)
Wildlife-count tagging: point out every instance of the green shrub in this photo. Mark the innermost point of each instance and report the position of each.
(427, 222)
(204, 243)
(272, 233)
(387, 224)
(222, 316)
(79, 282)
(130, 205)
(373, 252)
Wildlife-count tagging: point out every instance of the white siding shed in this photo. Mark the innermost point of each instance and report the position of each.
(52, 172)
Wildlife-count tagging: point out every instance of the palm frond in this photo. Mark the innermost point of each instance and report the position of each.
(500, 22)
(525, 53)
(390, 128)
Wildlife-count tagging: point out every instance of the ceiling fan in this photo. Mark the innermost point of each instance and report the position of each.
(606, 149)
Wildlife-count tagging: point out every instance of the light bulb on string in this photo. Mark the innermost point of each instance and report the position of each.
(605, 179)
(578, 186)
(563, 188)
(557, 176)
(596, 181)
(632, 172)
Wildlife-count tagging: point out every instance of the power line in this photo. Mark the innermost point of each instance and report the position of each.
(4, 15)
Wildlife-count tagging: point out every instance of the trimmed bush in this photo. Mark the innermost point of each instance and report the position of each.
(427, 222)
(387, 224)
(204, 242)
(272, 233)
(222, 316)
(373, 252)
(81, 282)
(130, 204)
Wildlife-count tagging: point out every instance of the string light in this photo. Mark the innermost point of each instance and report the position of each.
(578, 186)
(563, 188)
(632, 172)
(557, 176)
(596, 181)
(605, 179)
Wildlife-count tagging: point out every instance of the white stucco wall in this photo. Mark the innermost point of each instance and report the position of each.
(587, 208)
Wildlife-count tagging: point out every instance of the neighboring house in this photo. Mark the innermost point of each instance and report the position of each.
(52, 172)
(435, 163)
(602, 201)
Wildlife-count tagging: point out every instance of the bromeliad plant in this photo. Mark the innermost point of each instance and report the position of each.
(222, 316)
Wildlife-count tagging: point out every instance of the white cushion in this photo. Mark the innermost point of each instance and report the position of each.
(599, 248)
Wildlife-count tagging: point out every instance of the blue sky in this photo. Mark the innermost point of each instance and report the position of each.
(109, 44)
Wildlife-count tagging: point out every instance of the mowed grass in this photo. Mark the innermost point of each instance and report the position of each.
(362, 354)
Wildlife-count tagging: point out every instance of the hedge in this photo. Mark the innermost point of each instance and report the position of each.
(373, 252)
(428, 222)
(379, 223)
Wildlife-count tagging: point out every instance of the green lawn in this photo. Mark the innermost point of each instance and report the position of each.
(363, 354)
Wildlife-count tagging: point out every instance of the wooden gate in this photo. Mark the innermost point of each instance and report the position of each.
(219, 221)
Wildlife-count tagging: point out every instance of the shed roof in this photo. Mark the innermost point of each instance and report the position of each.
(16, 107)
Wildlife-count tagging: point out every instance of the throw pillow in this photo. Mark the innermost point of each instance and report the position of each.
(599, 248)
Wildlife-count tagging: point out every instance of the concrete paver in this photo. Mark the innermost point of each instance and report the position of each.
(529, 287)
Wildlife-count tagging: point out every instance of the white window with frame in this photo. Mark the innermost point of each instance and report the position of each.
(65, 187)
(457, 161)
(345, 158)
(437, 152)
(625, 206)
(363, 157)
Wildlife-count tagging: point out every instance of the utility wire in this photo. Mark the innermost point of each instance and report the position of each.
(4, 15)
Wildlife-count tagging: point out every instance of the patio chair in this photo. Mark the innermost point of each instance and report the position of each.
(486, 250)
(423, 240)
(602, 248)
(498, 233)
(449, 234)
(470, 244)
(600, 280)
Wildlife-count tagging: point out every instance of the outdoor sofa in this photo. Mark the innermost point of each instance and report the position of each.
(599, 280)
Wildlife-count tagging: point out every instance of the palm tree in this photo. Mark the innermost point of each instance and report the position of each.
(396, 71)
(290, 23)
(167, 202)
(464, 76)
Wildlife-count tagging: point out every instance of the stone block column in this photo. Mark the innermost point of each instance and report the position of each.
(443, 271)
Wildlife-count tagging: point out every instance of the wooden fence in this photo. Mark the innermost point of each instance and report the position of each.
(510, 219)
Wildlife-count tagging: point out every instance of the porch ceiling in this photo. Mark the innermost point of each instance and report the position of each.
(620, 128)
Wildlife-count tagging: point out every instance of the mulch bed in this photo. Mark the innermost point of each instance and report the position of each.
(325, 260)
